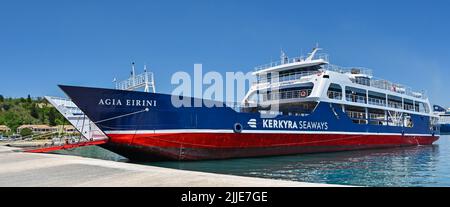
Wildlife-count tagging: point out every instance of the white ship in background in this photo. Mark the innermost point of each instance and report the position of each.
(77, 118)
(444, 118)
(82, 123)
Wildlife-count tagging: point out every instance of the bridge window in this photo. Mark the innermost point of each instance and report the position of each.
(334, 91)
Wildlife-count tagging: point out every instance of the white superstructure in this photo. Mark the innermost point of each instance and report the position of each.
(296, 85)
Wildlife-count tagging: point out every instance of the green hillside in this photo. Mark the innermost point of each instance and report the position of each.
(18, 111)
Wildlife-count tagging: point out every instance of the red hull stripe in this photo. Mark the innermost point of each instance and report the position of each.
(213, 131)
(241, 140)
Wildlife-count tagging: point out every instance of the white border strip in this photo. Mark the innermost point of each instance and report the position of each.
(174, 131)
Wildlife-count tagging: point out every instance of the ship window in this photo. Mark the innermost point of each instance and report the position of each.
(376, 116)
(363, 81)
(334, 91)
(408, 105)
(289, 93)
(356, 114)
(298, 108)
(421, 107)
(355, 95)
(395, 102)
(376, 98)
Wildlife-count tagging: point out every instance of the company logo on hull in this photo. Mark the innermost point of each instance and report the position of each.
(252, 123)
(289, 124)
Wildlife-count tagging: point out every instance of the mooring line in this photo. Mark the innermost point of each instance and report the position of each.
(120, 116)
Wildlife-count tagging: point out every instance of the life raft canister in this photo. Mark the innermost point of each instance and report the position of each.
(237, 128)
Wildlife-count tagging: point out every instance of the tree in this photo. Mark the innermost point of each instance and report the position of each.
(52, 117)
(29, 98)
(25, 132)
(34, 111)
(2, 98)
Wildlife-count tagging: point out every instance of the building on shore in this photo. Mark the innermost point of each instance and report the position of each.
(4, 129)
(43, 129)
(37, 128)
(66, 129)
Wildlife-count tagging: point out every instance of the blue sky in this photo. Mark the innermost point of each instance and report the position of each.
(45, 43)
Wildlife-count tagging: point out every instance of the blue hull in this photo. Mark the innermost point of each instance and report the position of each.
(132, 120)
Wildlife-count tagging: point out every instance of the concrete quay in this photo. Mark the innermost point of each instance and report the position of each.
(31, 169)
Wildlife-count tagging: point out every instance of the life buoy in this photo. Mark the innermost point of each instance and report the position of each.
(237, 128)
(303, 93)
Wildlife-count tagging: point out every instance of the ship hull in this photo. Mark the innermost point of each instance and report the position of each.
(147, 126)
(204, 146)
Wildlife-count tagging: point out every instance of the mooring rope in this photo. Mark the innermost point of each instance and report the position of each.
(120, 116)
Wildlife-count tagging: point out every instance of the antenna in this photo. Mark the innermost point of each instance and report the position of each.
(313, 53)
(132, 69)
(284, 57)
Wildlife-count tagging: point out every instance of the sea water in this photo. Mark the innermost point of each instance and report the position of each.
(406, 166)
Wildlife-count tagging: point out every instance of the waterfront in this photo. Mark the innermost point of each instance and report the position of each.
(410, 166)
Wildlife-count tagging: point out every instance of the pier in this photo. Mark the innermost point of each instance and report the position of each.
(18, 168)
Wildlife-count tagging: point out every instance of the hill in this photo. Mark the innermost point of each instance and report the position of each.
(18, 111)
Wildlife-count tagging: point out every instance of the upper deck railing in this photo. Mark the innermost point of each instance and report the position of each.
(321, 56)
(284, 77)
(374, 82)
(143, 80)
(370, 81)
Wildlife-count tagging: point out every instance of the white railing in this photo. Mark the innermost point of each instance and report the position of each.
(379, 117)
(334, 95)
(376, 101)
(355, 98)
(356, 114)
(321, 56)
(394, 104)
(137, 81)
(409, 107)
(286, 77)
(348, 70)
(374, 82)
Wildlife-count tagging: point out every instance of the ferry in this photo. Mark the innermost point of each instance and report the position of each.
(444, 118)
(77, 118)
(81, 122)
(296, 105)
